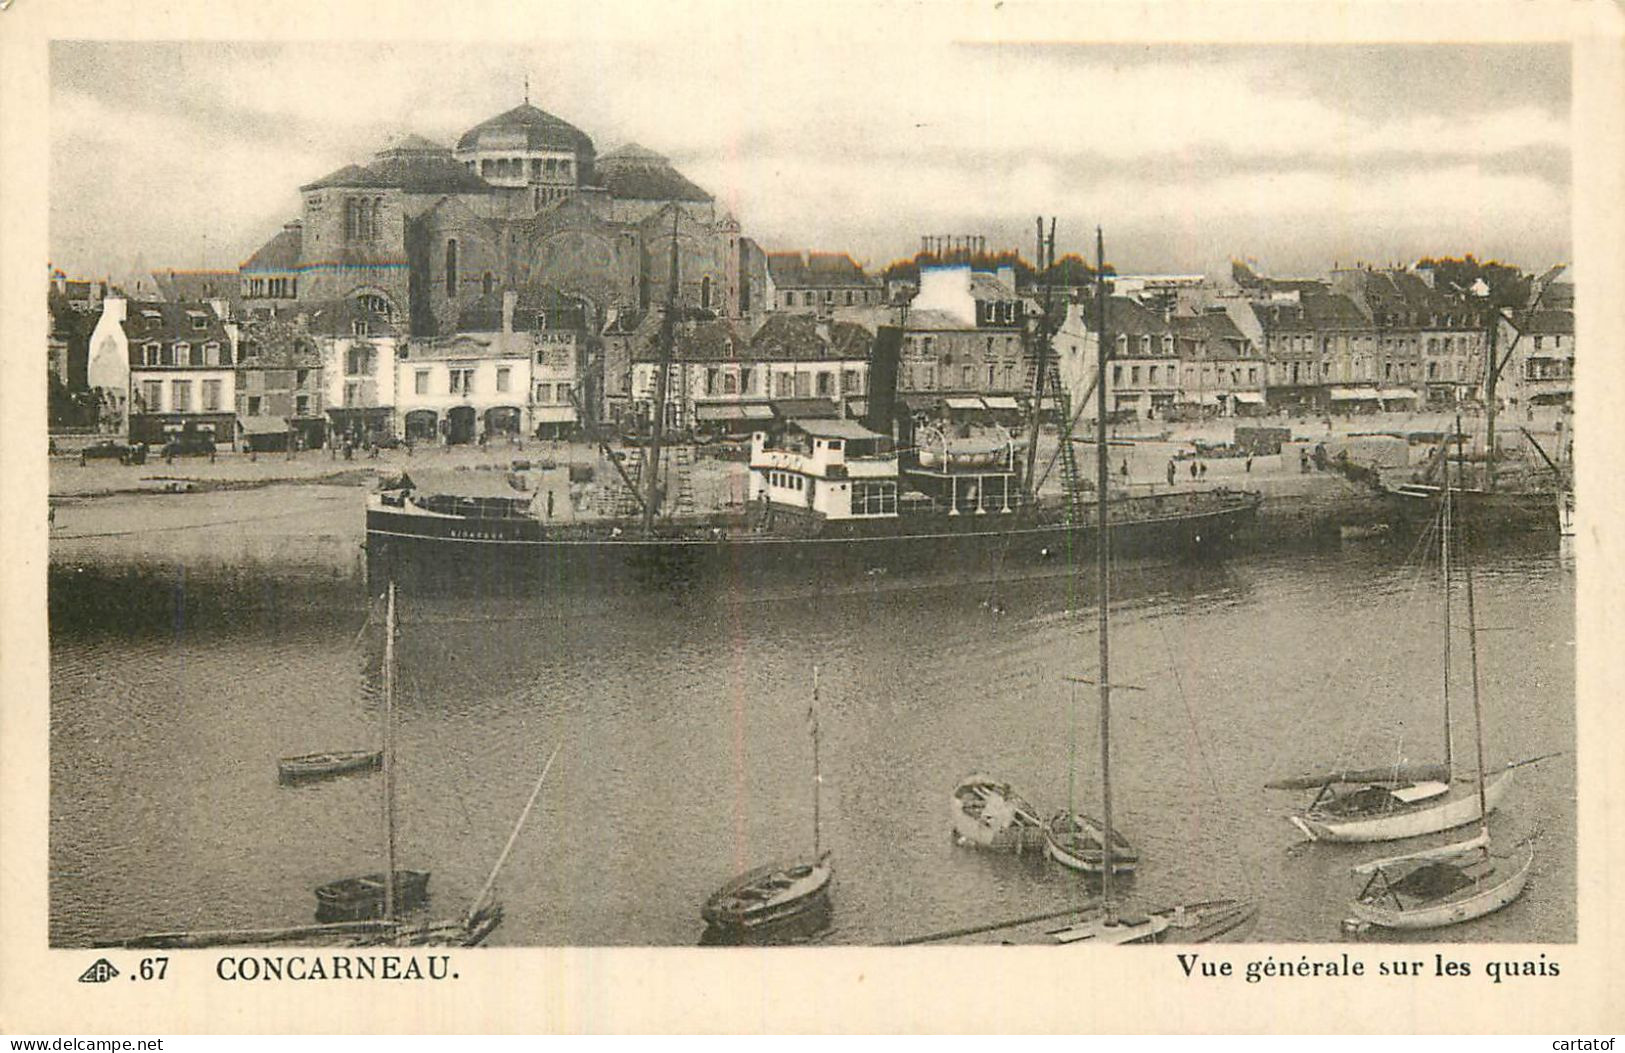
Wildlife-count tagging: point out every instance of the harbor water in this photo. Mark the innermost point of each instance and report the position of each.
(686, 755)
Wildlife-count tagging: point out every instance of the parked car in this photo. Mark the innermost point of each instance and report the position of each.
(189, 444)
(110, 449)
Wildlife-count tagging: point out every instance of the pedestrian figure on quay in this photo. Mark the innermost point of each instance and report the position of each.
(1249, 466)
(1193, 469)
(550, 504)
(1201, 467)
(1170, 471)
(1125, 468)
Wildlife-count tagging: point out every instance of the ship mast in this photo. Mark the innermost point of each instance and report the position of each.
(1102, 554)
(389, 757)
(1046, 254)
(668, 327)
(1498, 362)
(1478, 707)
(1444, 558)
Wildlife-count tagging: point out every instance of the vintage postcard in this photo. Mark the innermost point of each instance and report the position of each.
(933, 517)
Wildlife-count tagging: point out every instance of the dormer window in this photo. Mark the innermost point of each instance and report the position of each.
(150, 352)
(359, 327)
(183, 351)
(211, 354)
(199, 319)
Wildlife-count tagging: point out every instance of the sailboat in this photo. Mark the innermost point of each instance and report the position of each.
(772, 900)
(1451, 883)
(1404, 800)
(1077, 841)
(1193, 922)
(365, 911)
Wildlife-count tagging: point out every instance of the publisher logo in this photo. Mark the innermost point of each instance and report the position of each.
(99, 973)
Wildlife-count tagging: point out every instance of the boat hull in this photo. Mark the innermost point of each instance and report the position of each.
(1084, 853)
(1458, 808)
(421, 550)
(320, 766)
(985, 814)
(770, 896)
(1475, 513)
(1200, 922)
(1485, 897)
(360, 898)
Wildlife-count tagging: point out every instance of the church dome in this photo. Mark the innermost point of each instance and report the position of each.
(540, 131)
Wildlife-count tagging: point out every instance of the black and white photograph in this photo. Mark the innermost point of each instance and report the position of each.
(781, 483)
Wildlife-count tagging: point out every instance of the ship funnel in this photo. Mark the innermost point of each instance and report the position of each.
(883, 360)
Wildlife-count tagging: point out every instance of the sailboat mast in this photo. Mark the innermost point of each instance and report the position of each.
(668, 327)
(1102, 554)
(1444, 558)
(389, 756)
(818, 778)
(1478, 707)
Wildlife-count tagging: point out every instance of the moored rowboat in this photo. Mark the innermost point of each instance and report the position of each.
(989, 814)
(1077, 844)
(770, 894)
(358, 898)
(333, 762)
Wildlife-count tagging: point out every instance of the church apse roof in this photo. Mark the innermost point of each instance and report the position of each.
(636, 173)
(348, 176)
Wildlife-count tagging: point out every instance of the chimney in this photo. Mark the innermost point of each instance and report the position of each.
(883, 359)
(510, 299)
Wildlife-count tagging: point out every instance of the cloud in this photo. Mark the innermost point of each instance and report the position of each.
(825, 138)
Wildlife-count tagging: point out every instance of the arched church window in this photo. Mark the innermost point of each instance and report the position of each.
(487, 283)
(705, 293)
(451, 267)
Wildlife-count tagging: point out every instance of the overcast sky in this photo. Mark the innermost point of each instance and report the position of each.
(190, 155)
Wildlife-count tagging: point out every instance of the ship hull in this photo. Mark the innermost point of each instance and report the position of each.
(1475, 512)
(419, 550)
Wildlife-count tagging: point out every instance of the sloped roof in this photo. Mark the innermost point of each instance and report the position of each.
(178, 286)
(636, 179)
(281, 253)
(542, 130)
(1126, 317)
(792, 269)
(1332, 311)
(716, 341)
(429, 174)
(631, 152)
(349, 175)
(152, 320)
(1546, 323)
(801, 337)
(338, 318)
(985, 286)
(413, 144)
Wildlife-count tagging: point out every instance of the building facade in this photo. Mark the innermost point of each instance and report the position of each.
(179, 364)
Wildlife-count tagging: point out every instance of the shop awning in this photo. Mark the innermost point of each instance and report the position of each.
(713, 411)
(1202, 400)
(961, 402)
(1002, 402)
(1396, 393)
(835, 429)
(1254, 398)
(792, 409)
(263, 425)
(918, 402)
(1354, 395)
(553, 414)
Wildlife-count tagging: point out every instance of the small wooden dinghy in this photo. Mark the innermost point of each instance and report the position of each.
(359, 898)
(770, 895)
(1074, 840)
(989, 814)
(321, 765)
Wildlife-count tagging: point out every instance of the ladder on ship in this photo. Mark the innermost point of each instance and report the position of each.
(621, 501)
(1054, 389)
(679, 465)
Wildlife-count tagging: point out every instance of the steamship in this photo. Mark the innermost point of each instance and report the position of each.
(828, 501)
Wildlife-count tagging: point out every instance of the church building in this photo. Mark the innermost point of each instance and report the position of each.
(523, 202)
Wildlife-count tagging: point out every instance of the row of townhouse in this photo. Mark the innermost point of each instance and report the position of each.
(341, 371)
